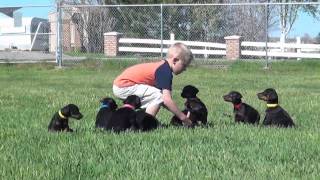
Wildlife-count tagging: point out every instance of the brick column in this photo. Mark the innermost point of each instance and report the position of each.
(111, 43)
(53, 29)
(233, 47)
(66, 35)
(75, 38)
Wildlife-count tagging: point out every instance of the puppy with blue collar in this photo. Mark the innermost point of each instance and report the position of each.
(107, 107)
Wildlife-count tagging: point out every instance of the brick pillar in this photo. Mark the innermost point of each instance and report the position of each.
(75, 37)
(111, 43)
(66, 35)
(53, 29)
(233, 47)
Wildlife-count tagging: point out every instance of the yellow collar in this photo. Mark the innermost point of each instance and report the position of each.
(272, 105)
(61, 115)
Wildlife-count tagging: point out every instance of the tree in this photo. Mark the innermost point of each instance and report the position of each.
(90, 22)
(288, 13)
(317, 38)
(186, 22)
(247, 21)
(307, 39)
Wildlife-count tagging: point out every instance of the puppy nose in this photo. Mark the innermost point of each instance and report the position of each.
(80, 116)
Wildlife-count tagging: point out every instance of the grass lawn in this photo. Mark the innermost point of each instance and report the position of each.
(30, 94)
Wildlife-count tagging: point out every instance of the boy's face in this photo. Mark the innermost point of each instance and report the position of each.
(178, 66)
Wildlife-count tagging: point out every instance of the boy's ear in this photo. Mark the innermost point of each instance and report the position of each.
(175, 60)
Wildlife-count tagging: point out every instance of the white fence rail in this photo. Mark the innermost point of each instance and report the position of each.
(204, 45)
(291, 50)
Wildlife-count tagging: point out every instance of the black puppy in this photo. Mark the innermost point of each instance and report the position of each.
(125, 117)
(60, 121)
(194, 107)
(275, 114)
(242, 111)
(145, 121)
(108, 106)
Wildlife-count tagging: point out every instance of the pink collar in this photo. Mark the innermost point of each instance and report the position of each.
(128, 106)
(237, 106)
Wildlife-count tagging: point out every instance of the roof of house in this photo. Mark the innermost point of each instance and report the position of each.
(9, 10)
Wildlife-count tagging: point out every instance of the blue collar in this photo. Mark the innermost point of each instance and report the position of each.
(104, 106)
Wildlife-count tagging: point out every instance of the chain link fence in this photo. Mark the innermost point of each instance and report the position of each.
(194, 23)
(214, 32)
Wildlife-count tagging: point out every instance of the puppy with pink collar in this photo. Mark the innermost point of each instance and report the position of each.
(124, 118)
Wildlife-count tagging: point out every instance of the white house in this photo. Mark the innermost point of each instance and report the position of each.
(23, 33)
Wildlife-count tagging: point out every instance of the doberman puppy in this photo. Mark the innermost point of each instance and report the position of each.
(124, 118)
(242, 111)
(60, 120)
(108, 106)
(195, 109)
(145, 121)
(275, 114)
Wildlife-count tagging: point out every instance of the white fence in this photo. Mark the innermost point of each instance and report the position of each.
(257, 49)
(206, 46)
(291, 50)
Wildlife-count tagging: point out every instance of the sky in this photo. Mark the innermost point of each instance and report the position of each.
(303, 25)
(41, 12)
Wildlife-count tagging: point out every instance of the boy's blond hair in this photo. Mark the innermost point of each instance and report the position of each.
(180, 51)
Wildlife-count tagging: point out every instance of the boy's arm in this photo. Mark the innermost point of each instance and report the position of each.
(171, 105)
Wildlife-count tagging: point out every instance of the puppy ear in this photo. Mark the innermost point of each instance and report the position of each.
(130, 99)
(125, 101)
(185, 95)
(66, 110)
(138, 102)
(189, 91)
(272, 96)
(195, 90)
(112, 104)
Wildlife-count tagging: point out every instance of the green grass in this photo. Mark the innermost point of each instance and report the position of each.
(30, 94)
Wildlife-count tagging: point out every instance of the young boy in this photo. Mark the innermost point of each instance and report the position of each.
(152, 82)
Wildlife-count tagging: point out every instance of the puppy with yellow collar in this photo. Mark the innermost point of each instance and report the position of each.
(275, 114)
(60, 120)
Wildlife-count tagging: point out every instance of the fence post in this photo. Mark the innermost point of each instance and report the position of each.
(298, 49)
(233, 47)
(205, 55)
(59, 35)
(267, 34)
(111, 43)
(161, 19)
(172, 38)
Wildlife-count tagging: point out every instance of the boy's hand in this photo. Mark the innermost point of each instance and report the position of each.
(170, 104)
(186, 121)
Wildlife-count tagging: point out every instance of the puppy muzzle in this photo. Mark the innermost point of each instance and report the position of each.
(77, 116)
